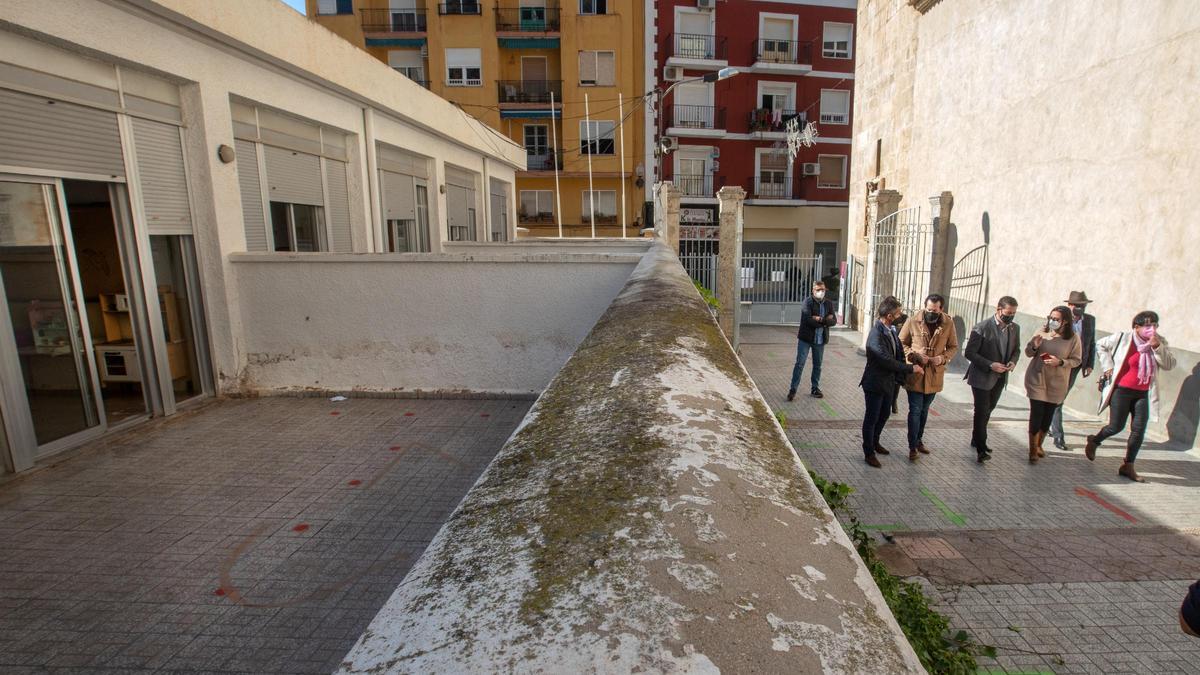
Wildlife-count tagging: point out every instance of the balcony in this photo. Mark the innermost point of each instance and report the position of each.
(376, 21)
(464, 7)
(698, 185)
(526, 92)
(787, 56)
(696, 51)
(772, 121)
(770, 185)
(415, 74)
(543, 160)
(523, 20)
(696, 121)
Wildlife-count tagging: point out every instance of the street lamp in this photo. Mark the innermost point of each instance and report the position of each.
(660, 149)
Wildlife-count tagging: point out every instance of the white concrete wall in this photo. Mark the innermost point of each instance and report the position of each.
(552, 246)
(417, 322)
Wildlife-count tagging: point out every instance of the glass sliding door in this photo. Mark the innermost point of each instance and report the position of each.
(181, 314)
(49, 382)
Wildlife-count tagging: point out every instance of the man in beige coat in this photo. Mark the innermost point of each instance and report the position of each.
(930, 341)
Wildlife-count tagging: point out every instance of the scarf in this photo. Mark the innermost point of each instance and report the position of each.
(1147, 366)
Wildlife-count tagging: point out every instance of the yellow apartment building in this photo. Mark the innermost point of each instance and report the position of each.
(503, 61)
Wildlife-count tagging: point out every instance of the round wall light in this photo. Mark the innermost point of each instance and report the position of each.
(225, 154)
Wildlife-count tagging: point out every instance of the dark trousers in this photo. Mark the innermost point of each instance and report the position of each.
(918, 413)
(1040, 414)
(1056, 427)
(879, 409)
(985, 403)
(1125, 402)
(818, 354)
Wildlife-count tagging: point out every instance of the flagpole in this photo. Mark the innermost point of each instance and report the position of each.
(554, 161)
(621, 164)
(587, 116)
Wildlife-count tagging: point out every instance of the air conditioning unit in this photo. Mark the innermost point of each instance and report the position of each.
(811, 169)
(706, 4)
(672, 74)
(669, 144)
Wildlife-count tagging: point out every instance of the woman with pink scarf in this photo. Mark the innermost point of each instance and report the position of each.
(1131, 361)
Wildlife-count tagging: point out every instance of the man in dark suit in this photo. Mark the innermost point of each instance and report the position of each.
(992, 350)
(1085, 328)
(885, 371)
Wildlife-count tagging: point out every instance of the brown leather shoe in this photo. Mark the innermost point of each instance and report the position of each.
(1127, 471)
(1089, 449)
(912, 455)
(880, 450)
(1033, 450)
(873, 461)
(921, 448)
(1041, 437)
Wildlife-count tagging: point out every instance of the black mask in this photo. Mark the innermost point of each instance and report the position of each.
(1006, 318)
(1077, 312)
(932, 317)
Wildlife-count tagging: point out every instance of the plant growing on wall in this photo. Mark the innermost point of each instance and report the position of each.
(708, 296)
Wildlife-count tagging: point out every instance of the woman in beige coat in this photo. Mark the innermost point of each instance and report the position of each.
(1054, 350)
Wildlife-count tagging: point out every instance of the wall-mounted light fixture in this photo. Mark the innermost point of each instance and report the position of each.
(225, 154)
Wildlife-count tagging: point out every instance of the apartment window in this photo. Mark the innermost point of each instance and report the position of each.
(835, 106)
(606, 205)
(596, 137)
(593, 6)
(773, 179)
(463, 69)
(597, 69)
(537, 206)
(836, 42)
(298, 227)
(537, 140)
(408, 62)
(335, 6)
(460, 7)
(833, 171)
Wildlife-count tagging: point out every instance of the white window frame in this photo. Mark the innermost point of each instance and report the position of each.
(763, 85)
(712, 26)
(833, 53)
(585, 211)
(525, 135)
(787, 173)
(538, 197)
(587, 137)
(320, 227)
(596, 62)
(794, 19)
(845, 163)
(693, 153)
(831, 119)
(464, 79)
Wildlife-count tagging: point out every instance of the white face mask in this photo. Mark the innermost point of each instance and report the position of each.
(1053, 324)
(820, 295)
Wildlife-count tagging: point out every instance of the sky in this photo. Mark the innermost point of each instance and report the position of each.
(297, 5)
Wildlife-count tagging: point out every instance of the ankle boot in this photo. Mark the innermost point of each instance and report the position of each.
(1041, 437)
(1127, 471)
(1033, 449)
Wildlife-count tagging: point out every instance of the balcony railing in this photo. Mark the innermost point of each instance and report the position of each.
(415, 74)
(537, 160)
(529, 91)
(461, 7)
(697, 46)
(767, 119)
(696, 117)
(538, 217)
(771, 186)
(393, 20)
(527, 19)
(698, 185)
(601, 218)
(790, 52)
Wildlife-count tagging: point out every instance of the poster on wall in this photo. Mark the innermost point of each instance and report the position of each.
(23, 218)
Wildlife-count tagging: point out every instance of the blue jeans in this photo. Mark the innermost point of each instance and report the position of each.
(818, 353)
(918, 413)
(875, 417)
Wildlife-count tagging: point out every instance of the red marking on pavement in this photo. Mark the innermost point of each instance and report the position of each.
(335, 413)
(484, 415)
(300, 528)
(1096, 498)
(395, 448)
(409, 414)
(839, 354)
(355, 482)
(219, 591)
(934, 413)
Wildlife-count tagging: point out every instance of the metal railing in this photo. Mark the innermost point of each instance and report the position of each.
(393, 20)
(527, 19)
(474, 7)
(770, 186)
(696, 117)
(539, 217)
(410, 72)
(698, 185)
(779, 277)
(767, 119)
(700, 263)
(543, 161)
(792, 52)
(697, 46)
(528, 91)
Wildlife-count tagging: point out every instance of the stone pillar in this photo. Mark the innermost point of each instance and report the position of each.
(880, 204)
(729, 260)
(666, 225)
(941, 269)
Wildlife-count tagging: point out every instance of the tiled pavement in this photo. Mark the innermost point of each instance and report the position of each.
(249, 536)
(1062, 565)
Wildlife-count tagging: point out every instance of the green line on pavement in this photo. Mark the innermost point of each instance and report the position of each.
(941, 505)
(887, 527)
(828, 409)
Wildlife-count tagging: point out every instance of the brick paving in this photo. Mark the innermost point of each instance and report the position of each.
(249, 536)
(1062, 565)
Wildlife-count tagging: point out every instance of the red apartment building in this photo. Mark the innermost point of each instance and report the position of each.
(796, 60)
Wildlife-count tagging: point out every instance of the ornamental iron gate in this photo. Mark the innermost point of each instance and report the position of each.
(901, 260)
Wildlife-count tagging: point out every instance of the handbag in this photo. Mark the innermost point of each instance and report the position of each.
(1102, 383)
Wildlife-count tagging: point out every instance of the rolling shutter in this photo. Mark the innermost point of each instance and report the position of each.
(337, 211)
(293, 177)
(54, 135)
(162, 177)
(399, 202)
(251, 189)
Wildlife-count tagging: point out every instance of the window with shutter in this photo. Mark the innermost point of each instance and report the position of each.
(587, 68)
(463, 68)
(836, 41)
(833, 171)
(835, 106)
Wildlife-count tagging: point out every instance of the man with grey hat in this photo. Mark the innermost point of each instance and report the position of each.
(1085, 328)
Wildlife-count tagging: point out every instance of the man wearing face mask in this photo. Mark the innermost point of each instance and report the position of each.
(992, 351)
(816, 316)
(885, 370)
(1084, 326)
(930, 342)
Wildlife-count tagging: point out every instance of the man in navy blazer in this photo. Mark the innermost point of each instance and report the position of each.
(992, 350)
(884, 372)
